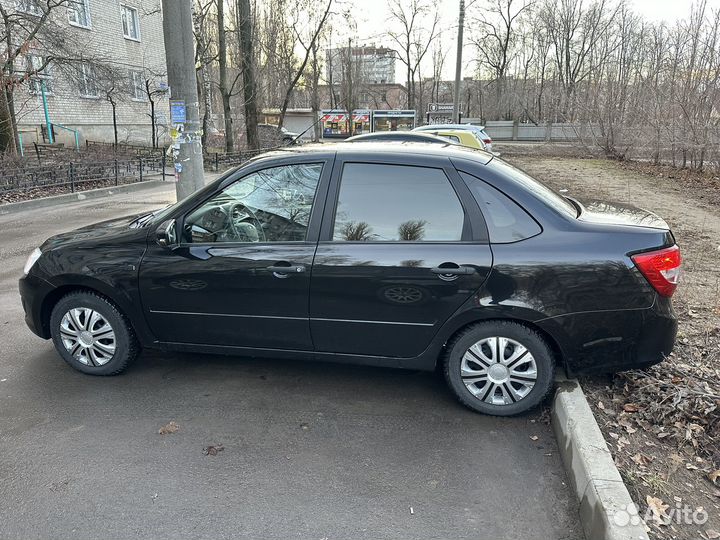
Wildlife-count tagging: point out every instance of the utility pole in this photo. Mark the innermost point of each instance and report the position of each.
(458, 64)
(186, 130)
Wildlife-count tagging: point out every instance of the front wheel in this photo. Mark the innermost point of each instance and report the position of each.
(499, 368)
(92, 335)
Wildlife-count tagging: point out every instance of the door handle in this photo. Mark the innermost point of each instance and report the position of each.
(287, 268)
(454, 270)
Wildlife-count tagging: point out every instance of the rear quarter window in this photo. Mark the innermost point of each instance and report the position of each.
(506, 221)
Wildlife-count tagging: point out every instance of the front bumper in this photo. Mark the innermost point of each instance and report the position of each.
(33, 292)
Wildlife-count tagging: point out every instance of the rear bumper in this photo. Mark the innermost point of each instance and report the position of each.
(609, 341)
(33, 291)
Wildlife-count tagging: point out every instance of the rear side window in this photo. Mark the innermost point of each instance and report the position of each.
(380, 203)
(506, 221)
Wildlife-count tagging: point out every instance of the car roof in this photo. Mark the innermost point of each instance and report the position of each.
(369, 150)
(464, 127)
(399, 135)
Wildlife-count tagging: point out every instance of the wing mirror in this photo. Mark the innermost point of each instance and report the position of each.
(165, 234)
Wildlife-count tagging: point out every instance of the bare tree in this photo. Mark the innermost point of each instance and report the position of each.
(418, 22)
(205, 31)
(227, 88)
(152, 91)
(496, 40)
(315, 27)
(26, 27)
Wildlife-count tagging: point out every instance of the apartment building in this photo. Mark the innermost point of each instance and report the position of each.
(370, 65)
(119, 63)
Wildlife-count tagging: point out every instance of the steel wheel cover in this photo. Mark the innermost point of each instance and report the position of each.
(87, 336)
(498, 370)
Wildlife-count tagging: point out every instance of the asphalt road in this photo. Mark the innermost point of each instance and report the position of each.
(310, 450)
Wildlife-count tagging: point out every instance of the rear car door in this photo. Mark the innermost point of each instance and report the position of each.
(240, 275)
(399, 253)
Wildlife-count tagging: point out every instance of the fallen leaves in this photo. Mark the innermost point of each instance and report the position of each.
(658, 509)
(170, 427)
(213, 450)
(713, 476)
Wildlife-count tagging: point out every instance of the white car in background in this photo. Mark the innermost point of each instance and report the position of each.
(478, 131)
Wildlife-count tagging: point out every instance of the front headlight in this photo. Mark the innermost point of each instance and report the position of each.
(32, 259)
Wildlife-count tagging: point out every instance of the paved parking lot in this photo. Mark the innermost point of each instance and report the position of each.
(310, 450)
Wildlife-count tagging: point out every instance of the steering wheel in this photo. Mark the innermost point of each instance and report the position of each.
(241, 218)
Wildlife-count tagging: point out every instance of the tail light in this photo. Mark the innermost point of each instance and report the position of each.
(487, 141)
(661, 268)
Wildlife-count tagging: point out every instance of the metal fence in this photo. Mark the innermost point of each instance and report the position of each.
(125, 148)
(219, 161)
(81, 175)
(507, 130)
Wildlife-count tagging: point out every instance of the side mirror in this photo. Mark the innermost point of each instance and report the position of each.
(165, 233)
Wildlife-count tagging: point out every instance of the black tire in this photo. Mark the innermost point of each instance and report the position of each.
(531, 340)
(126, 344)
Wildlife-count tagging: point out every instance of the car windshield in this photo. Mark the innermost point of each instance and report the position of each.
(538, 189)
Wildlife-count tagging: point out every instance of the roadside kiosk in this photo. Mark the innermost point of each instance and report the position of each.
(393, 120)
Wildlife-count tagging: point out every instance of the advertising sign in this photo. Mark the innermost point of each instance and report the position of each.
(440, 113)
(177, 112)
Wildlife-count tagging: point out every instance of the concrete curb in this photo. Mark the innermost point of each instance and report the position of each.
(602, 495)
(65, 198)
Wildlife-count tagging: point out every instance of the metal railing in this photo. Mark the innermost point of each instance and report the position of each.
(125, 148)
(219, 161)
(82, 175)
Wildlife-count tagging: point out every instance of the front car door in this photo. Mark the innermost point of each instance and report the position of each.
(240, 274)
(399, 253)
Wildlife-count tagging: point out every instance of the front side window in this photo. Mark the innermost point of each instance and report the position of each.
(380, 203)
(272, 205)
(137, 85)
(506, 221)
(130, 23)
(79, 13)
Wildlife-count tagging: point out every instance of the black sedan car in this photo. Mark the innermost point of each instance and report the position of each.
(406, 256)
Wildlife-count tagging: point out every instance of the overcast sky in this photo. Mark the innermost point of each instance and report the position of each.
(372, 17)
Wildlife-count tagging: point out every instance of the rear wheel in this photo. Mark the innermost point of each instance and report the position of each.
(499, 367)
(92, 335)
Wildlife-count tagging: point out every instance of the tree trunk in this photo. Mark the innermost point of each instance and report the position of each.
(10, 100)
(224, 90)
(152, 123)
(7, 136)
(114, 113)
(315, 95)
(248, 72)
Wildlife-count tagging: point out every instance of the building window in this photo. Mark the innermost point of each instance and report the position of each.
(87, 81)
(130, 23)
(137, 85)
(79, 13)
(29, 6)
(39, 73)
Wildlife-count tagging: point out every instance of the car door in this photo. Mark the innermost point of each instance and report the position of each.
(399, 253)
(240, 273)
